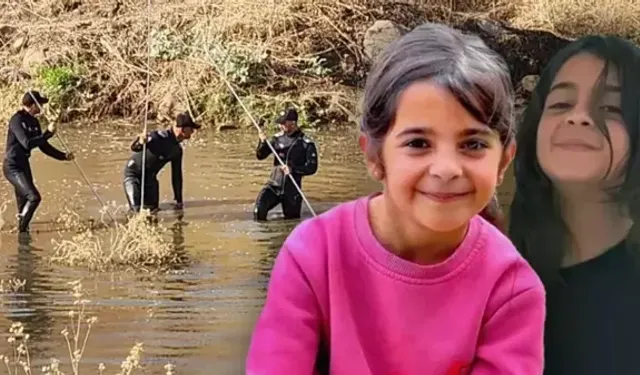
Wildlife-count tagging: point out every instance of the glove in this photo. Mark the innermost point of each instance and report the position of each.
(70, 156)
(51, 127)
(142, 138)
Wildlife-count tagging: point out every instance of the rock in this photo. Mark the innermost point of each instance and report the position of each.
(33, 59)
(525, 51)
(378, 36)
(528, 83)
(19, 43)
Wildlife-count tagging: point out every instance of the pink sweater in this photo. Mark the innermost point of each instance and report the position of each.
(335, 287)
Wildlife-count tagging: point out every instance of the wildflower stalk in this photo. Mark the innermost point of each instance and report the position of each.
(18, 341)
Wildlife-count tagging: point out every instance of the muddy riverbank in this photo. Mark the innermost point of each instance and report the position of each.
(315, 54)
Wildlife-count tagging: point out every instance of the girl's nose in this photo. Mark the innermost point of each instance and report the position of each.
(580, 118)
(446, 168)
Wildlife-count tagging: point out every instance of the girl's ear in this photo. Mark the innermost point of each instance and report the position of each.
(373, 163)
(507, 157)
(363, 142)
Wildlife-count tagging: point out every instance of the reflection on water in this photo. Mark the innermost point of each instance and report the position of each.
(199, 318)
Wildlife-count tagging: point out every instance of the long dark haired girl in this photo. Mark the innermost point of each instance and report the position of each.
(577, 201)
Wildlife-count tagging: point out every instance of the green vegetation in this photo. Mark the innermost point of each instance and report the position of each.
(59, 83)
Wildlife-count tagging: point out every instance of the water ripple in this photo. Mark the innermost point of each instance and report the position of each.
(201, 317)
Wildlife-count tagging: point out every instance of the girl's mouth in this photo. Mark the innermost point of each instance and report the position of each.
(575, 145)
(446, 197)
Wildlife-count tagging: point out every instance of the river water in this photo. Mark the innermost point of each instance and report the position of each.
(199, 318)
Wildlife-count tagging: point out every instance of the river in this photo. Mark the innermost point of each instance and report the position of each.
(199, 318)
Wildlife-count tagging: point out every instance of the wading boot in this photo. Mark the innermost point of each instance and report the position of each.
(24, 218)
(20, 225)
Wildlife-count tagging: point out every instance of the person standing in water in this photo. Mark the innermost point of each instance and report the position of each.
(301, 158)
(413, 280)
(25, 134)
(162, 147)
(576, 208)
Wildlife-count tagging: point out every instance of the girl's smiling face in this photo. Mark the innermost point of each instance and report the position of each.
(440, 165)
(571, 147)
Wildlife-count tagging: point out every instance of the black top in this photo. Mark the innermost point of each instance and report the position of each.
(593, 317)
(162, 147)
(297, 151)
(25, 134)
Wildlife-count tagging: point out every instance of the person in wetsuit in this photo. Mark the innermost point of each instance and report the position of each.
(163, 146)
(25, 134)
(301, 158)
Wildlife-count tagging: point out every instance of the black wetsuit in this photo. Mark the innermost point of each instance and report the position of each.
(162, 147)
(300, 155)
(25, 134)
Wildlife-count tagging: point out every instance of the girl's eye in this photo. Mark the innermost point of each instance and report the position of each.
(475, 145)
(418, 143)
(611, 109)
(559, 105)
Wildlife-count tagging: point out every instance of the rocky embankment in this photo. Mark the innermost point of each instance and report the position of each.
(525, 51)
(93, 58)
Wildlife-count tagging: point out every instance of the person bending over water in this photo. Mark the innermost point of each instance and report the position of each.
(25, 134)
(412, 280)
(576, 208)
(163, 146)
(301, 158)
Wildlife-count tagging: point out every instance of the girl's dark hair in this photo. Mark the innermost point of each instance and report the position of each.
(475, 74)
(535, 223)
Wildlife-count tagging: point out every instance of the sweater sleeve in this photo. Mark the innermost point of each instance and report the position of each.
(511, 341)
(287, 334)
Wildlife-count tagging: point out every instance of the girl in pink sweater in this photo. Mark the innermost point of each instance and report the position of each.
(412, 280)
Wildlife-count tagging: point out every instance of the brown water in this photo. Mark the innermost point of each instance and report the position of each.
(199, 318)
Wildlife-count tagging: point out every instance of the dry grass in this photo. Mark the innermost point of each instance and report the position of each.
(10, 96)
(3, 208)
(66, 220)
(12, 286)
(580, 17)
(302, 51)
(107, 47)
(76, 337)
(69, 219)
(137, 245)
